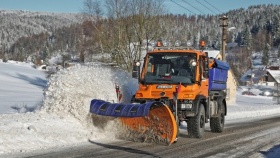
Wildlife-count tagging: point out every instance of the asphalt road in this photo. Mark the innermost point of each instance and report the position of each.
(244, 139)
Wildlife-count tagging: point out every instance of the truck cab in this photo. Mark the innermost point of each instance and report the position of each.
(164, 70)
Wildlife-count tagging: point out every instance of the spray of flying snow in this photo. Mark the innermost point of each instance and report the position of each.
(70, 91)
(128, 86)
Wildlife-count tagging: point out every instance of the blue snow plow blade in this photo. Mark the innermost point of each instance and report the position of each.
(101, 107)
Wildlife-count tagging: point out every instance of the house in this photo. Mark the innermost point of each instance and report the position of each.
(263, 76)
(231, 82)
(273, 76)
(255, 76)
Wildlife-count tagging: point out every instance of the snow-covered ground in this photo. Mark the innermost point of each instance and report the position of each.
(21, 86)
(32, 121)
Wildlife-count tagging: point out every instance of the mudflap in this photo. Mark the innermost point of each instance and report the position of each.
(149, 122)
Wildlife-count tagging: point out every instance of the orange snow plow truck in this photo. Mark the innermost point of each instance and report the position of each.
(176, 84)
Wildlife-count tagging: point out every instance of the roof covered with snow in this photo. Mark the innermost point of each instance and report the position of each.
(212, 53)
(256, 73)
(275, 74)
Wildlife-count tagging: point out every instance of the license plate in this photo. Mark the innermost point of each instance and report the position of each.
(164, 86)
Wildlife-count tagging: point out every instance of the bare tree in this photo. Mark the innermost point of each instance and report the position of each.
(128, 27)
(92, 14)
(92, 10)
(135, 22)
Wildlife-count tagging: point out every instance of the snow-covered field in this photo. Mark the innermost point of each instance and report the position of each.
(32, 121)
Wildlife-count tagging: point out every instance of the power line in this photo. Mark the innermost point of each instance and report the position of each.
(183, 7)
(193, 7)
(206, 7)
(213, 6)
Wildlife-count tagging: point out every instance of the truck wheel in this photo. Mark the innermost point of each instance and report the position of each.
(196, 125)
(217, 123)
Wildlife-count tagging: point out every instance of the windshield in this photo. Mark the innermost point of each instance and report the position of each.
(170, 68)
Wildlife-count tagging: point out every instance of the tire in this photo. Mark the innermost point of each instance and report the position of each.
(196, 125)
(217, 123)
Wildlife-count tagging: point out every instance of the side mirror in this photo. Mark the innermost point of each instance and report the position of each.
(193, 63)
(136, 70)
(206, 74)
(206, 68)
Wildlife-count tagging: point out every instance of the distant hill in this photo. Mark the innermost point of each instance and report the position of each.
(17, 23)
(254, 29)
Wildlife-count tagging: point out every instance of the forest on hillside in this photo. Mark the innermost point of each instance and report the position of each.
(18, 23)
(125, 36)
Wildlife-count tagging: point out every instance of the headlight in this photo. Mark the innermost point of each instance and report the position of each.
(186, 106)
(138, 63)
(177, 43)
(189, 43)
(193, 62)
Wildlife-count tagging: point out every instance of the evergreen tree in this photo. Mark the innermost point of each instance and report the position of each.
(247, 39)
(279, 51)
(276, 30)
(265, 58)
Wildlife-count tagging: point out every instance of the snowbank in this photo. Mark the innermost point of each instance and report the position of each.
(64, 118)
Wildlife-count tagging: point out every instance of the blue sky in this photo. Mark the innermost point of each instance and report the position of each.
(188, 6)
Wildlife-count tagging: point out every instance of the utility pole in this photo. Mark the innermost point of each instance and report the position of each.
(224, 25)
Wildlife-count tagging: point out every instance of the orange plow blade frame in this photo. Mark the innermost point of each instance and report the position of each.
(160, 122)
(157, 124)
